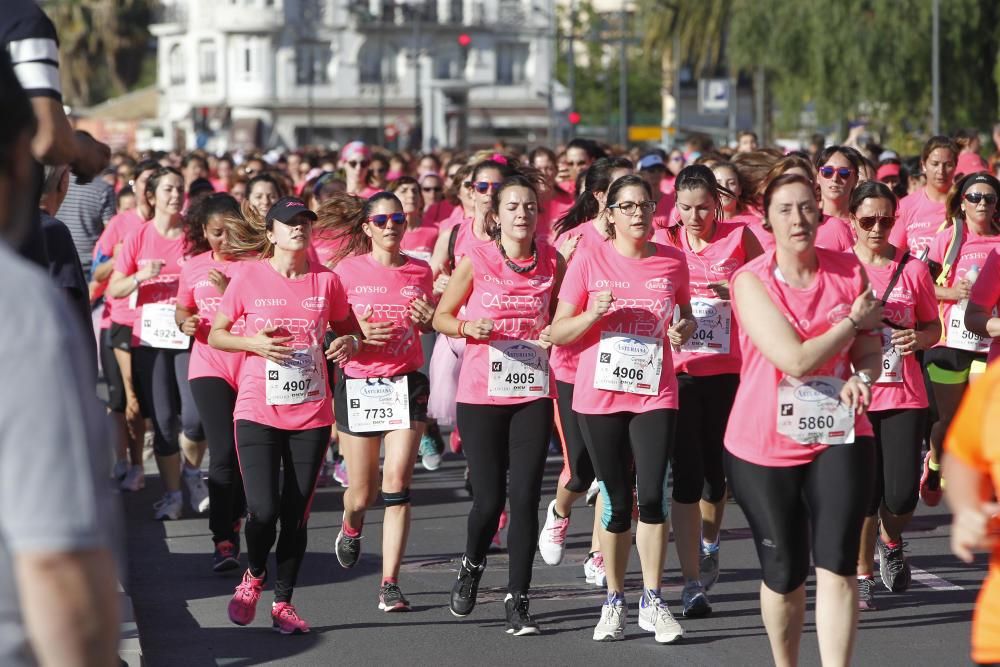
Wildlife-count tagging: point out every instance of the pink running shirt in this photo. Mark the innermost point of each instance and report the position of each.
(917, 222)
(141, 247)
(198, 294)
(419, 242)
(975, 250)
(303, 308)
(646, 291)
(986, 294)
(563, 359)
(388, 291)
(834, 234)
(118, 229)
(716, 262)
(518, 304)
(912, 300)
(752, 432)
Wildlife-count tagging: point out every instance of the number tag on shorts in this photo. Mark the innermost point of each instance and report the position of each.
(810, 411)
(892, 361)
(378, 404)
(632, 364)
(715, 321)
(158, 328)
(297, 380)
(518, 369)
(960, 338)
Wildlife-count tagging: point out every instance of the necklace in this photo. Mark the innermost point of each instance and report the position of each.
(517, 268)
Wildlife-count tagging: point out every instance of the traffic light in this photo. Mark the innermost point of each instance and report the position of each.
(464, 42)
(573, 117)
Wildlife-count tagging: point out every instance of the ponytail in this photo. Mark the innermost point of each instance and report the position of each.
(341, 221)
(597, 178)
(247, 234)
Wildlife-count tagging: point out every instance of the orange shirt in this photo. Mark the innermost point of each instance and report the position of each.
(973, 440)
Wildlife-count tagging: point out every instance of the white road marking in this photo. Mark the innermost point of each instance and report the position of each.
(932, 581)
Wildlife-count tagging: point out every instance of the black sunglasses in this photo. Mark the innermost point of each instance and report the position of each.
(976, 197)
(437, 189)
(868, 222)
(354, 163)
(482, 187)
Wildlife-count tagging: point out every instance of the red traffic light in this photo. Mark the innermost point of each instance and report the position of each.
(464, 40)
(574, 118)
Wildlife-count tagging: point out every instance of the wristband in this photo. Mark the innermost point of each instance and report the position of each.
(357, 342)
(461, 328)
(136, 281)
(854, 324)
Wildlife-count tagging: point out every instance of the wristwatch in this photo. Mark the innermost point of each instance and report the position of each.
(864, 377)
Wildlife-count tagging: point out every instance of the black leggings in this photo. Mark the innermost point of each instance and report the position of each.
(898, 435)
(617, 440)
(161, 383)
(705, 403)
(578, 471)
(216, 399)
(824, 500)
(263, 452)
(112, 374)
(497, 439)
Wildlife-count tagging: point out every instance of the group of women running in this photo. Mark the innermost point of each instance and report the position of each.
(790, 339)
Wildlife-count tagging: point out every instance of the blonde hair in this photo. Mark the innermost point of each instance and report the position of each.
(246, 234)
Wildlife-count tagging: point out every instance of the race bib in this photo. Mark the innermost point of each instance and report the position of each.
(960, 338)
(629, 363)
(892, 361)
(810, 411)
(422, 255)
(378, 404)
(158, 328)
(297, 380)
(715, 320)
(518, 369)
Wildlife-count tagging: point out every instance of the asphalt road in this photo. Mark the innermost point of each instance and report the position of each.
(180, 603)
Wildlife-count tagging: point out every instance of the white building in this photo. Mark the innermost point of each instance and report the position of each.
(236, 73)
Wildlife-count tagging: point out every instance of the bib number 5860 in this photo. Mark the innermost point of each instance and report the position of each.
(812, 423)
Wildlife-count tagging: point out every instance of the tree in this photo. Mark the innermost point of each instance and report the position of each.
(102, 45)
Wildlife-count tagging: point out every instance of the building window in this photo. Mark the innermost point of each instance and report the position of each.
(247, 62)
(311, 63)
(207, 67)
(446, 66)
(372, 68)
(175, 64)
(511, 61)
(455, 10)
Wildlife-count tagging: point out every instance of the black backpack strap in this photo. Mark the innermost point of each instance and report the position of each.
(895, 277)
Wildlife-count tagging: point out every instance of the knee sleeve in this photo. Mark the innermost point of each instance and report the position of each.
(394, 498)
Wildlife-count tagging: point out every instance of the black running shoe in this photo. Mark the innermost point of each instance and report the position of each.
(463, 593)
(226, 557)
(866, 594)
(519, 620)
(390, 598)
(348, 549)
(892, 566)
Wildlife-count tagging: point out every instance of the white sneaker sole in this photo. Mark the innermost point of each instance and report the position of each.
(668, 639)
(604, 636)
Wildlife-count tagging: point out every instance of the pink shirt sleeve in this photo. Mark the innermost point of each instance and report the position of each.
(185, 291)
(574, 285)
(232, 300)
(339, 307)
(926, 301)
(126, 261)
(938, 246)
(986, 289)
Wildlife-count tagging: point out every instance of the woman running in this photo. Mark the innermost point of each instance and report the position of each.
(736, 208)
(504, 290)
(970, 235)
(147, 271)
(262, 191)
(922, 211)
(800, 450)
(707, 369)
(618, 302)
(421, 235)
(838, 170)
(283, 409)
(212, 374)
(898, 411)
(381, 393)
(582, 230)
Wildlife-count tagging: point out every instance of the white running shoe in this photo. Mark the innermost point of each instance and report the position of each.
(611, 627)
(169, 506)
(592, 492)
(593, 570)
(655, 617)
(551, 541)
(147, 445)
(135, 479)
(120, 470)
(197, 490)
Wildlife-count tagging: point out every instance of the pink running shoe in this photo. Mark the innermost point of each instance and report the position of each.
(499, 539)
(243, 606)
(286, 620)
(455, 442)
